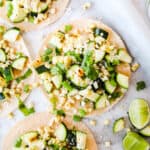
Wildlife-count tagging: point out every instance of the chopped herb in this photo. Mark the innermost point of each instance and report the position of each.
(25, 76)
(77, 118)
(58, 51)
(47, 55)
(59, 112)
(67, 86)
(2, 96)
(116, 95)
(140, 85)
(77, 56)
(58, 69)
(26, 88)
(68, 28)
(18, 142)
(82, 112)
(87, 65)
(23, 108)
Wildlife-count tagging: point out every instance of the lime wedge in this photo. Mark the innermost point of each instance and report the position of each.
(139, 113)
(133, 141)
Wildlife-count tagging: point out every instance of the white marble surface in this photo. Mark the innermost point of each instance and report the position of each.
(128, 18)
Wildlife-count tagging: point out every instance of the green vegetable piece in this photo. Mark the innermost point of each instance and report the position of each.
(23, 108)
(2, 29)
(133, 141)
(68, 28)
(25, 76)
(41, 69)
(139, 113)
(8, 74)
(146, 131)
(100, 32)
(119, 125)
(87, 65)
(77, 56)
(77, 118)
(140, 85)
(27, 88)
(9, 9)
(59, 112)
(1, 3)
(18, 142)
(46, 57)
(67, 86)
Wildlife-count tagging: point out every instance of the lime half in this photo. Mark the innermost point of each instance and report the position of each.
(139, 113)
(133, 141)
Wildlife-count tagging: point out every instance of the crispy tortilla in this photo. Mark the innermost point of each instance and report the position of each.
(113, 37)
(10, 105)
(60, 6)
(37, 120)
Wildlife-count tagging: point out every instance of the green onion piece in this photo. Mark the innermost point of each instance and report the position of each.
(140, 85)
(77, 118)
(82, 112)
(2, 29)
(27, 88)
(18, 142)
(23, 108)
(68, 28)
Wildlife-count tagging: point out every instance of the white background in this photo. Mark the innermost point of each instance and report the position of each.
(128, 18)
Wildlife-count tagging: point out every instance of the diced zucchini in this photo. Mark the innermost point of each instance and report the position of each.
(67, 86)
(2, 96)
(8, 74)
(57, 80)
(123, 80)
(81, 140)
(61, 132)
(19, 63)
(12, 34)
(29, 137)
(102, 101)
(73, 76)
(47, 86)
(43, 7)
(124, 56)
(17, 14)
(100, 32)
(9, 7)
(99, 55)
(2, 55)
(146, 131)
(110, 88)
(119, 125)
(41, 69)
(89, 94)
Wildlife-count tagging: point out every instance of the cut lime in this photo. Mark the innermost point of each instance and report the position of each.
(139, 113)
(133, 141)
(146, 131)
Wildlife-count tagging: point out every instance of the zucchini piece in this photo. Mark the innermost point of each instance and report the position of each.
(57, 80)
(8, 74)
(99, 55)
(133, 141)
(43, 7)
(2, 55)
(146, 131)
(119, 125)
(47, 86)
(124, 56)
(2, 96)
(100, 32)
(102, 101)
(89, 94)
(97, 84)
(123, 80)
(12, 34)
(19, 63)
(81, 140)
(16, 14)
(73, 76)
(29, 137)
(41, 69)
(9, 8)
(61, 132)
(110, 88)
